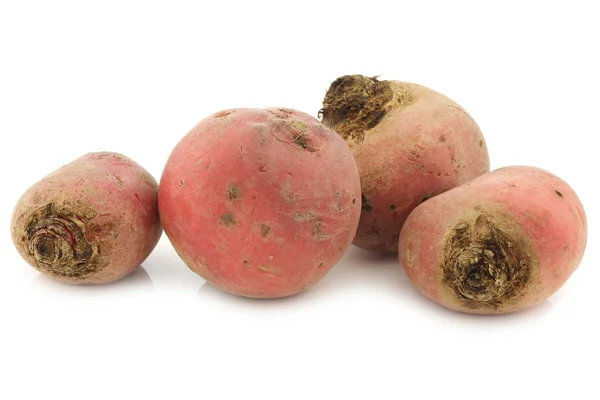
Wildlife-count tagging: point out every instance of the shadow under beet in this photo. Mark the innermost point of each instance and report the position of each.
(213, 293)
(366, 270)
(382, 274)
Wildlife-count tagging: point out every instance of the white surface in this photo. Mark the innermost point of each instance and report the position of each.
(134, 78)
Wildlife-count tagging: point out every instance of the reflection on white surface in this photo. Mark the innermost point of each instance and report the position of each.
(359, 274)
(212, 293)
(167, 269)
(136, 282)
(376, 277)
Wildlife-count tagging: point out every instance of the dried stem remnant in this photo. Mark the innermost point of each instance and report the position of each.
(354, 104)
(484, 265)
(55, 237)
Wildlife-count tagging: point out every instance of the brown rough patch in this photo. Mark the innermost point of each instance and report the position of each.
(181, 183)
(62, 242)
(299, 131)
(558, 193)
(318, 234)
(486, 266)
(355, 104)
(227, 220)
(233, 191)
(299, 126)
(441, 139)
(89, 213)
(265, 230)
(392, 207)
(301, 141)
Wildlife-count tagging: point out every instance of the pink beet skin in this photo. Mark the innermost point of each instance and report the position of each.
(94, 220)
(533, 227)
(261, 203)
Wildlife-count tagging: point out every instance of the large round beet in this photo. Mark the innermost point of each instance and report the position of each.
(94, 220)
(410, 143)
(260, 203)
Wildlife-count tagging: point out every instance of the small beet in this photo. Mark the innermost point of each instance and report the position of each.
(94, 220)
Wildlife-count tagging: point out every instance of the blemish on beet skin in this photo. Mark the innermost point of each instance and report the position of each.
(227, 220)
(137, 196)
(233, 191)
(265, 230)
(558, 193)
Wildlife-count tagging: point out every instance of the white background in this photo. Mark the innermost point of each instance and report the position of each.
(132, 77)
